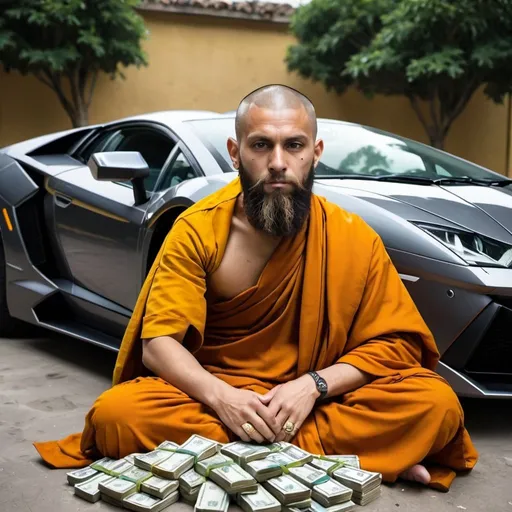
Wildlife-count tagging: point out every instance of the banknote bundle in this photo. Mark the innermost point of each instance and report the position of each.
(227, 474)
(365, 485)
(260, 501)
(190, 483)
(325, 490)
(212, 498)
(276, 477)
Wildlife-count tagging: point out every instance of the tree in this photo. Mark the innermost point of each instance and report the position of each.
(67, 43)
(437, 53)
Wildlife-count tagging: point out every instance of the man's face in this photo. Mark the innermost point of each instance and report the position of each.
(276, 156)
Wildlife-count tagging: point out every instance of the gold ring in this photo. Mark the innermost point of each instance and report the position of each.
(289, 427)
(249, 429)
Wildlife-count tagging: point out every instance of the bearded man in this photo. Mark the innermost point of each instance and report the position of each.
(271, 314)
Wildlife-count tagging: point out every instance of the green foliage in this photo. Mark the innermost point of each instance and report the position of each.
(439, 51)
(71, 40)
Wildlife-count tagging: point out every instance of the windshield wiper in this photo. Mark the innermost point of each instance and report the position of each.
(466, 179)
(419, 179)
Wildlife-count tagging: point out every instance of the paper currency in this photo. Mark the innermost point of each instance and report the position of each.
(267, 468)
(111, 501)
(331, 493)
(173, 467)
(81, 475)
(331, 462)
(212, 498)
(200, 447)
(110, 466)
(116, 488)
(191, 480)
(301, 505)
(260, 501)
(148, 460)
(203, 467)
(89, 489)
(233, 479)
(242, 452)
(298, 455)
(358, 479)
(309, 475)
(287, 490)
(159, 487)
(367, 497)
(141, 502)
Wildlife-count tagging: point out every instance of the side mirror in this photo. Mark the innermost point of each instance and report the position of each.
(121, 166)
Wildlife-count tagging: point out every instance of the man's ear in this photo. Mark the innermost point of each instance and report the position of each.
(234, 152)
(319, 149)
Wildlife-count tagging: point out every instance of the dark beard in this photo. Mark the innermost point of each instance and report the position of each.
(277, 213)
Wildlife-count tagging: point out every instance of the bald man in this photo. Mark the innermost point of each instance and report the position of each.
(271, 314)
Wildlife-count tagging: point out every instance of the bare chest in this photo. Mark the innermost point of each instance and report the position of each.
(245, 258)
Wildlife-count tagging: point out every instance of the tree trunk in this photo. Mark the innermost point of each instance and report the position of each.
(80, 116)
(437, 140)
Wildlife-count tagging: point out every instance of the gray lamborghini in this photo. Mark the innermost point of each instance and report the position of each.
(84, 212)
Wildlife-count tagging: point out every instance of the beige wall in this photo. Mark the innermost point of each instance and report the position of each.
(210, 63)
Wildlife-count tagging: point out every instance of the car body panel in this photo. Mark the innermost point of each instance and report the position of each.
(80, 249)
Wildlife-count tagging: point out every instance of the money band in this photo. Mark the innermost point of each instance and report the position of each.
(285, 467)
(321, 480)
(218, 465)
(136, 481)
(181, 450)
(109, 472)
(339, 464)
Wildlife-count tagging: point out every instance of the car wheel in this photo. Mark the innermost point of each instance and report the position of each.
(9, 326)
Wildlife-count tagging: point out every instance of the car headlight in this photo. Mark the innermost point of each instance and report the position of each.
(473, 248)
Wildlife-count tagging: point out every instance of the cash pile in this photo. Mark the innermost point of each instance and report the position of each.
(208, 475)
(366, 485)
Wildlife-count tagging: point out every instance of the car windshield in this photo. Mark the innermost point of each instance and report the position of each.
(353, 151)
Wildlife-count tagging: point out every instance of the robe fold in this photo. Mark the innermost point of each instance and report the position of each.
(328, 295)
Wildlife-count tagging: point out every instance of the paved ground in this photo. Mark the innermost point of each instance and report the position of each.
(47, 385)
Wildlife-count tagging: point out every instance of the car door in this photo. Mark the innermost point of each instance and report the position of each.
(97, 227)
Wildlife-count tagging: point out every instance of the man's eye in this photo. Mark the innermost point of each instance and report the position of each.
(260, 145)
(295, 145)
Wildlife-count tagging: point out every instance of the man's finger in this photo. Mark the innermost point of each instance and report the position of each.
(269, 417)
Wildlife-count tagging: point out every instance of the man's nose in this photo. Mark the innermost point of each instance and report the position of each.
(277, 162)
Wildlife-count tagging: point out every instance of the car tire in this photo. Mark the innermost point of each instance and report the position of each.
(9, 326)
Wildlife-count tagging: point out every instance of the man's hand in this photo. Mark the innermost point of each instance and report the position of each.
(292, 401)
(238, 406)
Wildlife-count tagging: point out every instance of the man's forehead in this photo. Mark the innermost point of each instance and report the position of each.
(270, 120)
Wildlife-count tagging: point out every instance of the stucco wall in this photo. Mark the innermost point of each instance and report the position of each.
(210, 63)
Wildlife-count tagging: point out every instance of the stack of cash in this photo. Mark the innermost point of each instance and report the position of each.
(242, 452)
(224, 472)
(287, 490)
(211, 498)
(159, 487)
(190, 484)
(260, 501)
(269, 467)
(141, 502)
(325, 490)
(200, 447)
(159, 454)
(206, 474)
(330, 462)
(366, 485)
(89, 490)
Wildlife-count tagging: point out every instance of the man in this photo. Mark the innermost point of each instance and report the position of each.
(255, 287)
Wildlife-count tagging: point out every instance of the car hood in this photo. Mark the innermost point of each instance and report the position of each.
(481, 209)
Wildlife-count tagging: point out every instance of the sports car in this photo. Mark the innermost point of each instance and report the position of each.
(84, 212)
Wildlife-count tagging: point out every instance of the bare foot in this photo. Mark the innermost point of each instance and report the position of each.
(417, 473)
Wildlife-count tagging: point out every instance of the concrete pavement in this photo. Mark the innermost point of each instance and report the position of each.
(48, 384)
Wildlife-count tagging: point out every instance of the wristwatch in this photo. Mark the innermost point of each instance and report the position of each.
(321, 385)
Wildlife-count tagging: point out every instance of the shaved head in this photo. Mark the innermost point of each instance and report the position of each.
(277, 98)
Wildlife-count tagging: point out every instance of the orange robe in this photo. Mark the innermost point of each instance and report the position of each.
(329, 295)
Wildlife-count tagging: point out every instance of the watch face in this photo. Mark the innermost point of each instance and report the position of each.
(322, 387)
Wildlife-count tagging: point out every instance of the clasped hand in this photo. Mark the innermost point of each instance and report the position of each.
(268, 414)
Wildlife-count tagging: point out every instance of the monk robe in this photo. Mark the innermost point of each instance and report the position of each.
(328, 295)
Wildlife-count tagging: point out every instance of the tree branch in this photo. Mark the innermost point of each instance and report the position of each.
(57, 87)
(416, 107)
(461, 104)
(94, 78)
(41, 78)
